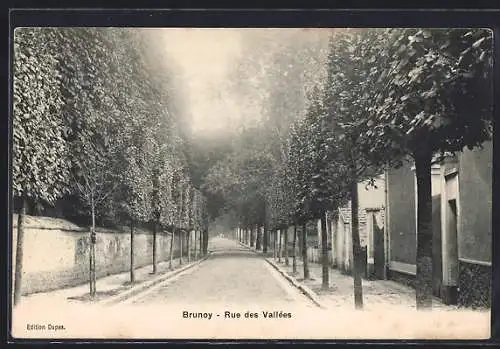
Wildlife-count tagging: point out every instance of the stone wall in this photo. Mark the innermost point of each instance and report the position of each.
(54, 258)
(474, 285)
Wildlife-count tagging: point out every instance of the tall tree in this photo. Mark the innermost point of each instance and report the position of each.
(40, 166)
(298, 185)
(434, 97)
(99, 110)
(102, 98)
(317, 176)
(139, 191)
(278, 74)
(351, 63)
(167, 204)
(177, 191)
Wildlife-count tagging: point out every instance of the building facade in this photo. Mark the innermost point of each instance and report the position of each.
(371, 202)
(461, 223)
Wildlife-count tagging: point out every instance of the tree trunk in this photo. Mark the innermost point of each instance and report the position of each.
(294, 249)
(19, 252)
(188, 245)
(285, 243)
(424, 231)
(356, 247)
(154, 248)
(132, 262)
(94, 276)
(252, 236)
(258, 238)
(195, 244)
(37, 208)
(205, 241)
(156, 214)
(91, 266)
(333, 235)
(304, 252)
(170, 265)
(92, 251)
(265, 239)
(181, 233)
(328, 220)
(275, 244)
(201, 243)
(280, 246)
(324, 252)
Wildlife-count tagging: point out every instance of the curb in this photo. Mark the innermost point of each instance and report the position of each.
(150, 283)
(306, 290)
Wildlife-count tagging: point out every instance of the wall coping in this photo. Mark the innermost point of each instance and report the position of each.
(98, 230)
(34, 227)
(405, 268)
(474, 261)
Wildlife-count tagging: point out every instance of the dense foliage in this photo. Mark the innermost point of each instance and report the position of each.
(389, 94)
(93, 119)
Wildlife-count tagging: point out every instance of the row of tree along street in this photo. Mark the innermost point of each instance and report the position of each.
(389, 95)
(98, 132)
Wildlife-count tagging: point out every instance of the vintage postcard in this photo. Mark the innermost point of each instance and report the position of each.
(223, 183)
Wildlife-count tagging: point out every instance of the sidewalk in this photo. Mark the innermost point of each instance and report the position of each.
(106, 287)
(376, 293)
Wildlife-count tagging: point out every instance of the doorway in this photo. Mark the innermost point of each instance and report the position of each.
(452, 240)
(449, 292)
(437, 253)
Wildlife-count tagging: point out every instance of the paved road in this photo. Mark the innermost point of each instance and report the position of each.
(232, 275)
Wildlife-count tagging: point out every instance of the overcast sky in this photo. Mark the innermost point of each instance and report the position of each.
(207, 57)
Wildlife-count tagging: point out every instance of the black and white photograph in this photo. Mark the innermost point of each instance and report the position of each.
(251, 183)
